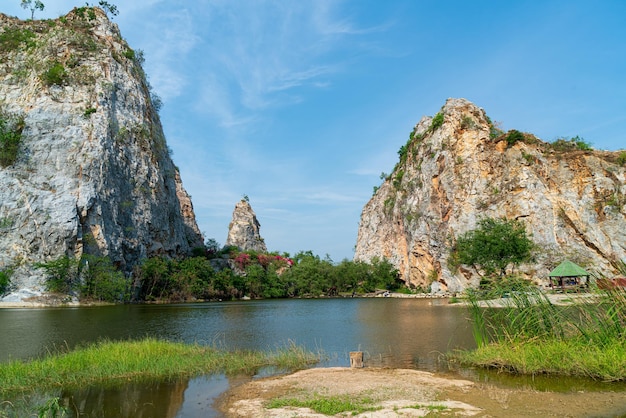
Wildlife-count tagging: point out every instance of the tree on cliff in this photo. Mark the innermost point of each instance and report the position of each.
(494, 245)
(32, 6)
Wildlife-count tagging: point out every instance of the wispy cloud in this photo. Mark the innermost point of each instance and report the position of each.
(264, 52)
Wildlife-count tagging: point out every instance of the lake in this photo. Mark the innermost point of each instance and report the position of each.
(407, 333)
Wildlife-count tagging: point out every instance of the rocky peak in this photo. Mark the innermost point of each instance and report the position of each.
(457, 168)
(92, 173)
(244, 229)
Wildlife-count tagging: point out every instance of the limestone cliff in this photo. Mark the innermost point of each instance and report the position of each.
(456, 168)
(244, 229)
(93, 173)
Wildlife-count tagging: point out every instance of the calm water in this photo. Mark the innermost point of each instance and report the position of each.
(410, 333)
(397, 332)
(392, 332)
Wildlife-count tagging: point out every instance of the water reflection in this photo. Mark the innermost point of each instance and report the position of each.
(410, 333)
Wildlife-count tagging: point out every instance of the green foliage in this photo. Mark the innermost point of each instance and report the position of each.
(91, 277)
(11, 127)
(331, 406)
(397, 180)
(494, 130)
(101, 281)
(56, 74)
(402, 153)
(436, 122)
(573, 144)
(494, 245)
(514, 136)
(106, 363)
(530, 159)
(53, 409)
(61, 274)
(181, 280)
(467, 122)
(5, 280)
(85, 12)
(130, 54)
(108, 7)
(32, 6)
(88, 112)
(531, 335)
(12, 39)
(621, 159)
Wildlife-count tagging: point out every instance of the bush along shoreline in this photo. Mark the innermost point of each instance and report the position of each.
(530, 335)
(212, 275)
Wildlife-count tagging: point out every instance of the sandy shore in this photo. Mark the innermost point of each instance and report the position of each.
(412, 393)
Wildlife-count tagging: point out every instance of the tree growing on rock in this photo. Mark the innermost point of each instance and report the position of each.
(32, 6)
(494, 245)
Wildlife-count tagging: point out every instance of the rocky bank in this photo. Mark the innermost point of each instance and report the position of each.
(457, 168)
(93, 172)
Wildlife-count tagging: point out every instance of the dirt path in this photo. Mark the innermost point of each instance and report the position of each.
(412, 393)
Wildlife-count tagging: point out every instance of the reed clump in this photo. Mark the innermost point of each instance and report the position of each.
(531, 335)
(110, 363)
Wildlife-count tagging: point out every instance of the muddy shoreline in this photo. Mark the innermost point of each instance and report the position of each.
(412, 393)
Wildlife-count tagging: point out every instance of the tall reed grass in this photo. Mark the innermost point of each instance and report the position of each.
(110, 363)
(529, 334)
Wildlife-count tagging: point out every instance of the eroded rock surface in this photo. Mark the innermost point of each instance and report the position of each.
(93, 173)
(571, 201)
(244, 230)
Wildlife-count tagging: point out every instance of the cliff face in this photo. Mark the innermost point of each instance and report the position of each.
(244, 230)
(93, 172)
(452, 173)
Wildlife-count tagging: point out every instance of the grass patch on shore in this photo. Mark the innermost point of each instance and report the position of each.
(331, 405)
(111, 363)
(530, 335)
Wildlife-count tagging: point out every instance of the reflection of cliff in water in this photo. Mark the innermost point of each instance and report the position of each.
(167, 399)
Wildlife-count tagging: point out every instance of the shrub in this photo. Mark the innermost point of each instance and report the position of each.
(621, 159)
(437, 121)
(575, 143)
(467, 122)
(102, 281)
(397, 181)
(130, 54)
(514, 136)
(494, 130)
(12, 39)
(5, 279)
(11, 127)
(61, 274)
(54, 75)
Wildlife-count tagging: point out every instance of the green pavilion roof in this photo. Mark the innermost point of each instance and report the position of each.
(568, 269)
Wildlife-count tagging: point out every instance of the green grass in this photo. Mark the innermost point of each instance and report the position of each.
(331, 405)
(532, 336)
(110, 363)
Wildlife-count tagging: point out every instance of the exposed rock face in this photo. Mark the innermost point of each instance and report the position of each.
(244, 229)
(93, 173)
(450, 176)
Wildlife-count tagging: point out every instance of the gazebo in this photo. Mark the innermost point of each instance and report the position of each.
(568, 275)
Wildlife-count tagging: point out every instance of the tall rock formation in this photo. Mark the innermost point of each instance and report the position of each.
(93, 173)
(456, 169)
(244, 229)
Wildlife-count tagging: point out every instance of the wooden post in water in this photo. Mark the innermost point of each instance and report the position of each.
(356, 359)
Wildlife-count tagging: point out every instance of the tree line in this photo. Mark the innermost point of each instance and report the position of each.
(223, 275)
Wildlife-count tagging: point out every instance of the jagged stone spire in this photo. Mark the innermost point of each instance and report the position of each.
(244, 229)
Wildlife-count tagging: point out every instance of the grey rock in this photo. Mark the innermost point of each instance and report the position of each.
(244, 229)
(94, 173)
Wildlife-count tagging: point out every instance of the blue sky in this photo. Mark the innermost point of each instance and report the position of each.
(301, 104)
